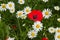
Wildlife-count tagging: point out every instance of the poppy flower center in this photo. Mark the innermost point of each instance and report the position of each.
(35, 16)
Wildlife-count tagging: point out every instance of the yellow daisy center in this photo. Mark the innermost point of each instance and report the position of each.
(27, 10)
(20, 13)
(3, 6)
(46, 13)
(51, 29)
(20, 1)
(37, 26)
(33, 34)
(58, 30)
(58, 36)
(10, 5)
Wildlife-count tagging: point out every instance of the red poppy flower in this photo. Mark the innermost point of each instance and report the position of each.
(35, 15)
(44, 38)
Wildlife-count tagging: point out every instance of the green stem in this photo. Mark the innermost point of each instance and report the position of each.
(7, 31)
(19, 27)
(16, 37)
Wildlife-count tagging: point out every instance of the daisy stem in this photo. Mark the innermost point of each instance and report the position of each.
(7, 30)
(19, 27)
(15, 35)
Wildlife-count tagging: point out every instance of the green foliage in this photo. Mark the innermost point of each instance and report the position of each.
(20, 33)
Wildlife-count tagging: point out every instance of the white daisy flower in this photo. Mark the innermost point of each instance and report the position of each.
(12, 10)
(21, 1)
(19, 13)
(27, 10)
(58, 19)
(47, 13)
(57, 30)
(37, 26)
(57, 8)
(23, 16)
(10, 38)
(51, 30)
(10, 5)
(45, 0)
(3, 7)
(32, 34)
(57, 36)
